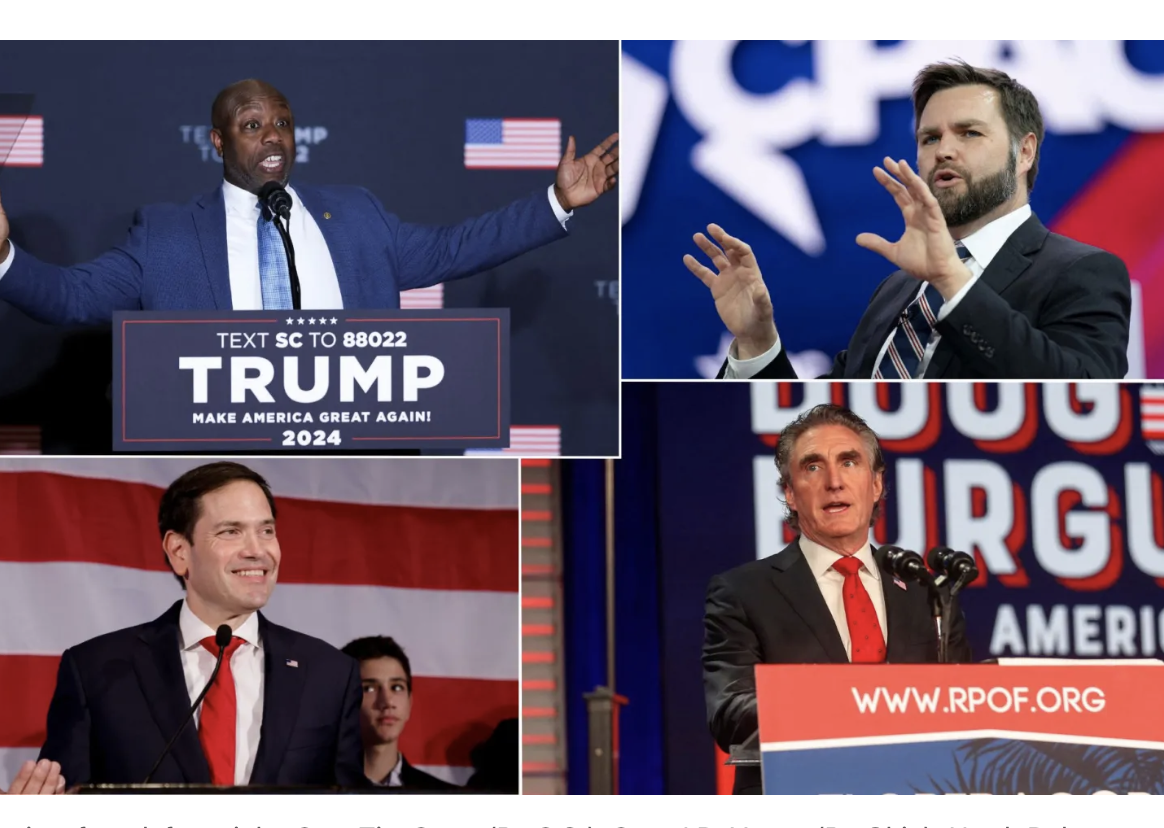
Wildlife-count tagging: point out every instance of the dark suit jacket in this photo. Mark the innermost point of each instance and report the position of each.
(411, 777)
(771, 611)
(175, 257)
(120, 697)
(1047, 307)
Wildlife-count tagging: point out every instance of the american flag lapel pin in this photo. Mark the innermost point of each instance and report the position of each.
(897, 582)
(292, 662)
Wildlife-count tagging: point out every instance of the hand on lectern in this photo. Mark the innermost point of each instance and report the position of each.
(43, 777)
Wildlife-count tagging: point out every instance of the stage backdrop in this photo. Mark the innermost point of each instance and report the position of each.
(777, 141)
(422, 550)
(1057, 489)
(117, 126)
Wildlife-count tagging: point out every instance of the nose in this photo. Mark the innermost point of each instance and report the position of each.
(270, 134)
(381, 699)
(947, 148)
(833, 481)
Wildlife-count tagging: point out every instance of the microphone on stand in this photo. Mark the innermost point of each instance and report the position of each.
(222, 637)
(906, 565)
(276, 203)
(951, 565)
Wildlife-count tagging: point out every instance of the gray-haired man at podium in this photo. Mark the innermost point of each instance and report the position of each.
(823, 598)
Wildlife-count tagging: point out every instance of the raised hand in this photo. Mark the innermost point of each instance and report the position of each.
(581, 180)
(925, 249)
(43, 777)
(737, 286)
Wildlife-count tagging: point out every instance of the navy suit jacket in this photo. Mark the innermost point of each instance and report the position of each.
(175, 257)
(120, 697)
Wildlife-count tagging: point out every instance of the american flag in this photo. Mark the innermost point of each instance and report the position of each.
(424, 550)
(529, 441)
(423, 298)
(1152, 416)
(513, 143)
(21, 141)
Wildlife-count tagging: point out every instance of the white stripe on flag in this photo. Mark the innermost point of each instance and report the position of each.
(426, 482)
(447, 633)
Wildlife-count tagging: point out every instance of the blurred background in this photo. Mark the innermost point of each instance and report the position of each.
(106, 128)
(776, 141)
(1057, 489)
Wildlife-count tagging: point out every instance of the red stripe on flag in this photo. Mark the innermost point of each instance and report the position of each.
(52, 517)
(449, 716)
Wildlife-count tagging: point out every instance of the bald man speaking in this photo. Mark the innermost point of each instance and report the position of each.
(220, 251)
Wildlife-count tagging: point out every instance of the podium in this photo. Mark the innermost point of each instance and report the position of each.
(1018, 727)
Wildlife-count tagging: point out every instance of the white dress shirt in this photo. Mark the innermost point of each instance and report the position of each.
(831, 583)
(246, 666)
(983, 245)
(318, 285)
(395, 777)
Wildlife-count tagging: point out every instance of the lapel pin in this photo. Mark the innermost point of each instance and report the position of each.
(292, 662)
(327, 215)
(899, 583)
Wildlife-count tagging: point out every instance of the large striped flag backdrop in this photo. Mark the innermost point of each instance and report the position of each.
(423, 549)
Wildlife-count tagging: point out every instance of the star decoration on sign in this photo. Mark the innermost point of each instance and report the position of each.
(290, 320)
(311, 321)
(334, 320)
(301, 320)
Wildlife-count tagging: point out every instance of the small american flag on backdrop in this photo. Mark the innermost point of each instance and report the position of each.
(529, 441)
(512, 143)
(1152, 416)
(21, 141)
(423, 298)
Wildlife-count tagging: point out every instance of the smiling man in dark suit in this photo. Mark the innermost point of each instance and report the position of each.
(284, 707)
(984, 290)
(822, 599)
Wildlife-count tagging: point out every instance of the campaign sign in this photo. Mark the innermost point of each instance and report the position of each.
(340, 379)
(1055, 727)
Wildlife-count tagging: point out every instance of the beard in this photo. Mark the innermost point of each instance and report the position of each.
(981, 196)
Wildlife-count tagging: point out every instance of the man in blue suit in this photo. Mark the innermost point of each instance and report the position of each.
(220, 252)
(284, 708)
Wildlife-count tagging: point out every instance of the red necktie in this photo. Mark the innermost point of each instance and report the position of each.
(216, 727)
(868, 644)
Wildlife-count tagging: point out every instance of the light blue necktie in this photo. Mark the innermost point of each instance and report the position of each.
(916, 325)
(274, 275)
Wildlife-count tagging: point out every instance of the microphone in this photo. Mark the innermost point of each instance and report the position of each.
(905, 564)
(954, 565)
(222, 638)
(276, 203)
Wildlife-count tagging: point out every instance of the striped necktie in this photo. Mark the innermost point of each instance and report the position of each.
(914, 329)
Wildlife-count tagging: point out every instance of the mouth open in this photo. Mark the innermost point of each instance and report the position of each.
(273, 164)
(252, 575)
(836, 508)
(946, 178)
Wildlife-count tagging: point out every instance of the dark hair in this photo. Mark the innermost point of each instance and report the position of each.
(825, 414)
(181, 504)
(379, 646)
(1020, 108)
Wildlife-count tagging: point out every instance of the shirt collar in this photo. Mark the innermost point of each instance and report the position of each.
(985, 242)
(241, 202)
(821, 558)
(394, 778)
(193, 629)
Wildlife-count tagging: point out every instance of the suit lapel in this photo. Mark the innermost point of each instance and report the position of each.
(158, 665)
(896, 609)
(282, 690)
(210, 221)
(895, 302)
(1012, 259)
(794, 579)
(335, 230)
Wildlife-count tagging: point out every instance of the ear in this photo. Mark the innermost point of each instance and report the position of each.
(216, 139)
(1026, 155)
(177, 549)
(790, 498)
(878, 485)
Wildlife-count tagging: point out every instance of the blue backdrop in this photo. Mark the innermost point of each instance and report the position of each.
(776, 142)
(126, 124)
(1057, 489)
